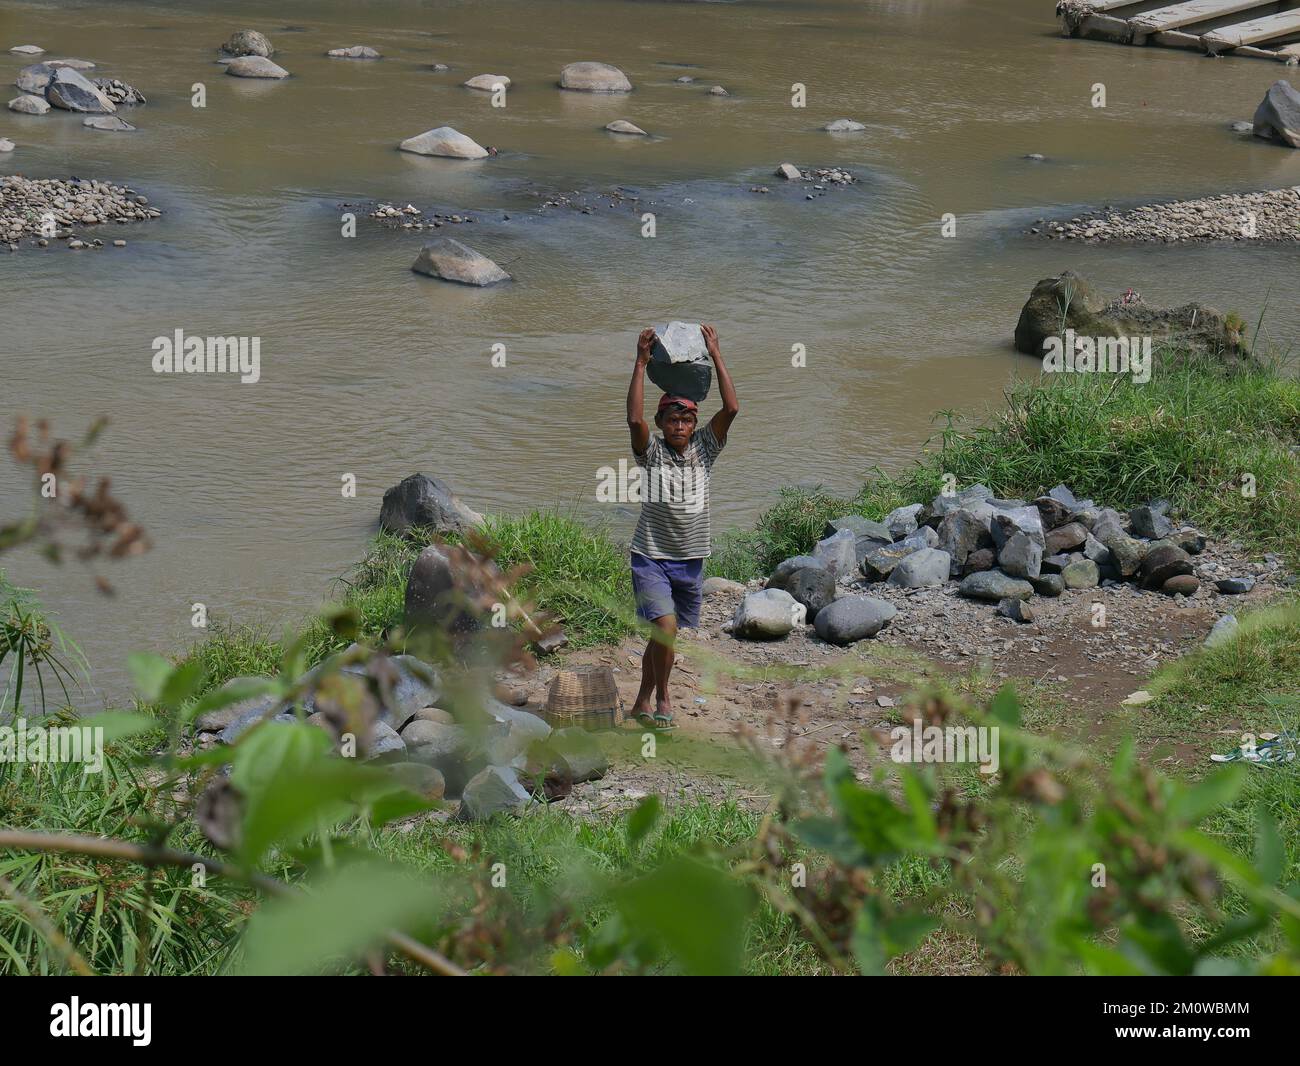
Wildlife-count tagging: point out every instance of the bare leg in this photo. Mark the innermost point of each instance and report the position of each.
(656, 665)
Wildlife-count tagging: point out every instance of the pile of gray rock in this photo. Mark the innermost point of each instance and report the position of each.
(1003, 552)
(1273, 215)
(27, 205)
(492, 757)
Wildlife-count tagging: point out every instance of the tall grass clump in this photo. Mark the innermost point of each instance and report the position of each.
(1220, 442)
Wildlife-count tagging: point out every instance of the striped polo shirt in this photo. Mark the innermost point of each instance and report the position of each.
(674, 522)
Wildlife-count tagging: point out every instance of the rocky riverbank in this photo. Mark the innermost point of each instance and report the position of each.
(1254, 216)
(40, 211)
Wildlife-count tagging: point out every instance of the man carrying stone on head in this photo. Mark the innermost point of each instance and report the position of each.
(672, 537)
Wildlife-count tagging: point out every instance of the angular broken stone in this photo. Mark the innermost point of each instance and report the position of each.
(927, 566)
(1080, 574)
(448, 259)
(789, 171)
(493, 790)
(73, 91)
(1015, 609)
(679, 361)
(787, 568)
(1021, 556)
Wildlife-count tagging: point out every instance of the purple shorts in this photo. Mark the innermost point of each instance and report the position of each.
(668, 586)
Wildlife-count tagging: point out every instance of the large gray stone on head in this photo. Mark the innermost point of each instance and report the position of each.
(767, 615)
(248, 43)
(445, 142)
(853, 618)
(72, 91)
(448, 259)
(1278, 115)
(592, 77)
(422, 502)
(255, 67)
(927, 566)
(679, 361)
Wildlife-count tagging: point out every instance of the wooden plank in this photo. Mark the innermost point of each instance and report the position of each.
(1190, 12)
(1282, 24)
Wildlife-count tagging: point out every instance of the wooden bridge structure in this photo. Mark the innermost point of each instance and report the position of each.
(1213, 27)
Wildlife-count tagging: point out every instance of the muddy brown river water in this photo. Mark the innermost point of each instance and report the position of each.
(369, 369)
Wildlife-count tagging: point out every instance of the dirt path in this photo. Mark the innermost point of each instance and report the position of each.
(1083, 660)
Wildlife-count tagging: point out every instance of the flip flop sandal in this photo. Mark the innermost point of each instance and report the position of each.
(660, 723)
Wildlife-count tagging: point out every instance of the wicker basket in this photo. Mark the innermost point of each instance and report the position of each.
(584, 696)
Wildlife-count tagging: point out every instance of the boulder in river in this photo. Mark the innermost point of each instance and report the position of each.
(422, 502)
(621, 125)
(73, 91)
(6, 145)
(26, 104)
(27, 50)
(356, 51)
(843, 125)
(487, 82)
(1278, 116)
(35, 78)
(1068, 302)
(255, 67)
(446, 142)
(852, 618)
(448, 259)
(789, 171)
(248, 43)
(591, 77)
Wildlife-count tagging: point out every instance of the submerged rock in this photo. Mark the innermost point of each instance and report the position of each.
(446, 142)
(450, 260)
(591, 77)
(356, 51)
(621, 125)
(109, 123)
(843, 125)
(789, 171)
(255, 67)
(27, 50)
(487, 83)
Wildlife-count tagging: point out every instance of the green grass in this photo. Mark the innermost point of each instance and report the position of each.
(1190, 434)
(1249, 684)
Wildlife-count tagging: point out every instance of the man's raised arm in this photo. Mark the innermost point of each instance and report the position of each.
(636, 422)
(721, 421)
